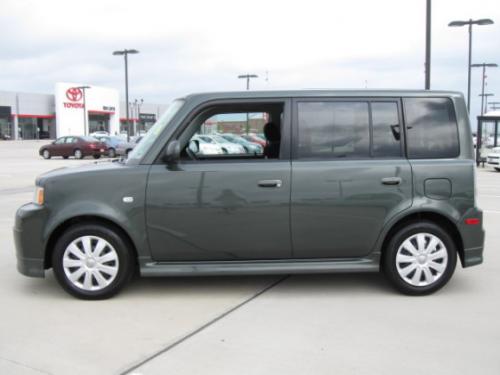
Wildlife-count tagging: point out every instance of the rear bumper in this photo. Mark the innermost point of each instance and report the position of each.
(472, 239)
(28, 239)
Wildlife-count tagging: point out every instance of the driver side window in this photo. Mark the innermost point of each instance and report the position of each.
(234, 133)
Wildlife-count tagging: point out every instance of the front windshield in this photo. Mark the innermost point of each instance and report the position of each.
(143, 146)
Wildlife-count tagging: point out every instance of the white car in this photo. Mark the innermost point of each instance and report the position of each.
(493, 158)
(227, 147)
(99, 133)
(205, 146)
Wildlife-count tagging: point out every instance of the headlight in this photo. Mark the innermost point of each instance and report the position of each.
(39, 197)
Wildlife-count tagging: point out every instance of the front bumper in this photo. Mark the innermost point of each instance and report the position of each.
(472, 239)
(29, 241)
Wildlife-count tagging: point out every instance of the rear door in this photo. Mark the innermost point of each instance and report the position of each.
(349, 175)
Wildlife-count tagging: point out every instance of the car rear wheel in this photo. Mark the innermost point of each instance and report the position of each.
(497, 169)
(92, 261)
(111, 152)
(78, 154)
(420, 258)
(46, 154)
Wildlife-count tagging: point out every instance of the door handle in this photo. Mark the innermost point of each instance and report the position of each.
(391, 180)
(270, 183)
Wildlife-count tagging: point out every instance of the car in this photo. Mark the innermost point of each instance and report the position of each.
(227, 146)
(76, 146)
(493, 158)
(112, 143)
(99, 133)
(255, 139)
(124, 147)
(346, 183)
(250, 147)
(203, 146)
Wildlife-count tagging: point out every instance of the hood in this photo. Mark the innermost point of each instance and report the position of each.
(96, 168)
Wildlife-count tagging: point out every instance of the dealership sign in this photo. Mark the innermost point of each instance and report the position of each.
(74, 95)
(73, 105)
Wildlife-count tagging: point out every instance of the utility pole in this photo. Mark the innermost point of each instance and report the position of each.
(484, 66)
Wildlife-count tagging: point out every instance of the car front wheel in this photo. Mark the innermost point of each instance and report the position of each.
(46, 154)
(111, 152)
(420, 258)
(92, 261)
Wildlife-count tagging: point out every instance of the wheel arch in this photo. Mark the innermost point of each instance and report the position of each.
(84, 219)
(437, 218)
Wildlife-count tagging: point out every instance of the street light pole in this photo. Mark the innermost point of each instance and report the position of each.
(247, 77)
(83, 88)
(484, 98)
(470, 22)
(125, 53)
(483, 65)
(428, 47)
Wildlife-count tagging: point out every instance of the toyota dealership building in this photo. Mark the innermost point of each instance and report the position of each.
(74, 109)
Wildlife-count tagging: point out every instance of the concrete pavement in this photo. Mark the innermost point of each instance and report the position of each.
(314, 324)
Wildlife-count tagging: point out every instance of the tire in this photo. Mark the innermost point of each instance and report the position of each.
(111, 152)
(65, 157)
(96, 156)
(46, 154)
(413, 271)
(78, 154)
(497, 169)
(96, 280)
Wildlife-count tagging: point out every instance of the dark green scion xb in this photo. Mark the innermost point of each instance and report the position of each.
(348, 181)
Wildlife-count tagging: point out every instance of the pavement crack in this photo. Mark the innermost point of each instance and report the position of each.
(203, 327)
(25, 366)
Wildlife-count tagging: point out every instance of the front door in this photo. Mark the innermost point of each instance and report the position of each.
(217, 204)
(350, 175)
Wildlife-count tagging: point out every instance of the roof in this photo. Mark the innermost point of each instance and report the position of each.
(320, 93)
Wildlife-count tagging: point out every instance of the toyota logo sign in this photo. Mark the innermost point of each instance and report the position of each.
(74, 94)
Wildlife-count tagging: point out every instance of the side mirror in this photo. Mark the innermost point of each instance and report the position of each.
(172, 153)
(194, 146)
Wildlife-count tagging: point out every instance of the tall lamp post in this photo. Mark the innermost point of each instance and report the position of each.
(247, 77)
(428, 46)
(125, 54)
(484, 99)
(470, 22)
(483, 65)
(83, 88)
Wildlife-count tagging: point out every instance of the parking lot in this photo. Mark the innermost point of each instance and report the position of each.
(303, 324)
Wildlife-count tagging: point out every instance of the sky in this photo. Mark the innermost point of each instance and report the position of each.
(194, 46)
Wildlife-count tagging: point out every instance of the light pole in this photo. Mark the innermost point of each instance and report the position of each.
(83, 88)
(125, 54)
(483, 65)
(470, 22)
(248, 77)
(428, 46)
(494, 105)
(484, 99)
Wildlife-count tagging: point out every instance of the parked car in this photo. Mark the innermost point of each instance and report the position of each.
(347, 184)
(112, 143)
(77, 146)
(99, 133)
(493, 158)
(227, 147)
(250, 147)
(255, 139)
(202, 146)
(124, 148)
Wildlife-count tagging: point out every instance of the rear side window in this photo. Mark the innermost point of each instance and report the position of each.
(329, 130)
(386, 130)
(431, 128)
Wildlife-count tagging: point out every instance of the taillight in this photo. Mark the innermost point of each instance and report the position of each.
(472, 221)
